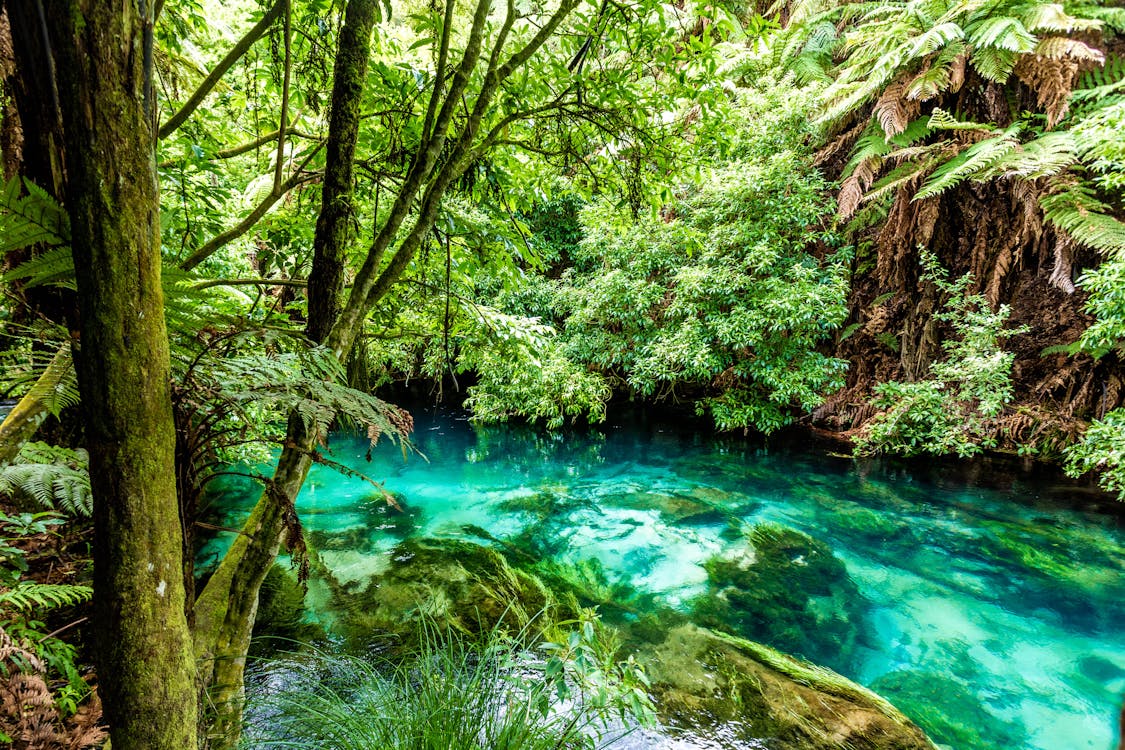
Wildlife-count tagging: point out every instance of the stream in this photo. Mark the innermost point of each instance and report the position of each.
(990, 609)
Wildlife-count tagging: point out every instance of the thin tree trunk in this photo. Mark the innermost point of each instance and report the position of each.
(225, 612)
(145, 668)
(326, 281)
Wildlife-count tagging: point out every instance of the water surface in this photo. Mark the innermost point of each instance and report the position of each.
(993, 616)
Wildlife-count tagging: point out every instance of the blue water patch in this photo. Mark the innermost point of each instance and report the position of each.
(993, 617)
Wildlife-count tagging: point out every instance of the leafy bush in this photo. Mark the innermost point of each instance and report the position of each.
(453, 695)
(722, 299)
(951, 411)
(1102, 450)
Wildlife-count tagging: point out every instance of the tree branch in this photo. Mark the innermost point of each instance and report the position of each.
(240, 49)
(242, 148)
(208, 249)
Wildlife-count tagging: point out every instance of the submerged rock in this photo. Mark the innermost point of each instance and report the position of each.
(786, 589)
(703, 679)
(949, 711)
(450, 583)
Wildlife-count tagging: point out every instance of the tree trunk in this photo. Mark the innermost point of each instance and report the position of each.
(146, 673)
(225, 612)
(326, 281)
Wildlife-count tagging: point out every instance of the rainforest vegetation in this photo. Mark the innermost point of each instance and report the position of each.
(232, 229)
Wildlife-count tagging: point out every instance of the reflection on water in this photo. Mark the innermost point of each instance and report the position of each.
(996, 619)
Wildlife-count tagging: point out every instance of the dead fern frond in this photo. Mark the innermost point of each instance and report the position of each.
(1062, 274)
(1052, 78)
(891, 110)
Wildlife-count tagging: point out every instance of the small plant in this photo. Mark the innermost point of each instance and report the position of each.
(1102, 450)
(454, 694)
(952, 410)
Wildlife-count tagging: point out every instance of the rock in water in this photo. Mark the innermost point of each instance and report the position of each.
(788, 590)
(703, 680)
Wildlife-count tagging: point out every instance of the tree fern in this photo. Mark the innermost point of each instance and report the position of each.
(54, 477)
(27, 595)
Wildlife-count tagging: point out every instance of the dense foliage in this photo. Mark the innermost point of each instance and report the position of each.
(898, 220)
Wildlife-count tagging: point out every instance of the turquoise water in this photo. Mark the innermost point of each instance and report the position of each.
(993, 616)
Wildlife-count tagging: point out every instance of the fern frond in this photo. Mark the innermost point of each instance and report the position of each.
(898, 177)
(53, 268)
(1047, 155)
(970, 163)
(1100, 83)
(32, 219)
(1060, 47)
(1085, 218)
(54, 477)
(1053, 17)
(942, 120)
(309, 383)
(1003, 33)
(994, 64)
(27, 595)
(936, 38)
(937, 78)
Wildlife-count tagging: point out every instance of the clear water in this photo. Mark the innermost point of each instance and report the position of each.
(999, 608)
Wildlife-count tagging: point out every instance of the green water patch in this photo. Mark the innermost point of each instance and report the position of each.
(977, 609)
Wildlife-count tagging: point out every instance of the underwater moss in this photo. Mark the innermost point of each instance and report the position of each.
(788, 590)
(454, 584)
(949, 711)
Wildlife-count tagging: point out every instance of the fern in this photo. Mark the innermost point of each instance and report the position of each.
(1085, 218)
(970, 163)
(994, 64)
(1004, 33)
(56, 478)
(29, 219)
(27, 595)
(308, 383)
(53, 268)
(1046, 156)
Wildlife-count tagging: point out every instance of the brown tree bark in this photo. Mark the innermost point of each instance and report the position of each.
(103, 55)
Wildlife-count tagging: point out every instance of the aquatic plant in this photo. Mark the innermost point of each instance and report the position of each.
(949, 711)
(788, 590)
(502, 693)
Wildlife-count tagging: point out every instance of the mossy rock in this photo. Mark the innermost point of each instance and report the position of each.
(281, 620)
(702, 680)
(863, 522)
(949, 711)
(675, 508)
(452, 584)
(786, 589)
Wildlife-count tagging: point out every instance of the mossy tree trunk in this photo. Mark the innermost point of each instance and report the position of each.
(146, 675)
(333, 225)
(225, 612)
